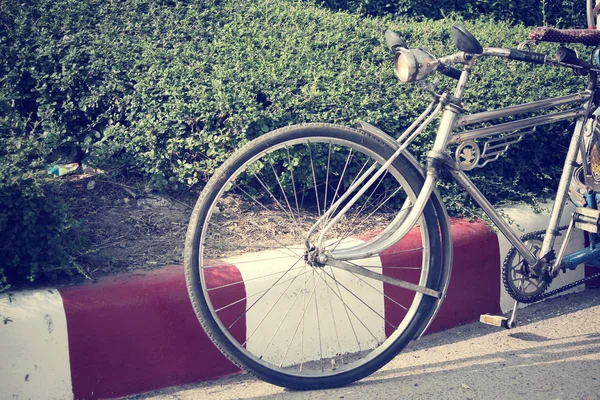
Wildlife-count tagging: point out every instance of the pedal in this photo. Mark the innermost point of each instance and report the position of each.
(494, 320)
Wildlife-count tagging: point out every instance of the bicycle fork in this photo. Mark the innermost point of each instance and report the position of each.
(402, 223)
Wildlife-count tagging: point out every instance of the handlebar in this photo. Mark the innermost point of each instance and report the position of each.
(564, 58)
(449, 71)
(526, 56)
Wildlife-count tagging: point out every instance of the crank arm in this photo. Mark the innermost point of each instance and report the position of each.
(358, 270)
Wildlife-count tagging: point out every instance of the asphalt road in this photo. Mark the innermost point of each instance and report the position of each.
(553, 354)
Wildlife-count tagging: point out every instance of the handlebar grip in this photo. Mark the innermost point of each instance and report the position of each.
(527, 56)
(449, 71)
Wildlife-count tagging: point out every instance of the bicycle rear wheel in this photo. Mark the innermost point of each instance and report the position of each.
(264, 304)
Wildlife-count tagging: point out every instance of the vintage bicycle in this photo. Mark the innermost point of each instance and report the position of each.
(317, 252)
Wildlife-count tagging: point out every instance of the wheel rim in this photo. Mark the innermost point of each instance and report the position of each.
(306, 320)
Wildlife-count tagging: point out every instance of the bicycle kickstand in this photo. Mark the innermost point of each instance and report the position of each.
(500, 321)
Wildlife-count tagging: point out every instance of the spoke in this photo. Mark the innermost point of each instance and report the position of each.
(405, 207)
(377, 290)
(337, 336)
(260, 204)
(353, 313)
(340, 297)
(303, 324)
(267, 291)
(264, 185)
(297, 326)
(257, 247)
(354, 228)
(283, 193)
(247, 280)
(312, 166)
(285, 255)
(292, 177)
(252, 296)
(335, 206)
(366, 305)
(296, 255)
(243, 248)
(271, 309)
(341, 180)
(371, 194)
(318, 325)
(327, 177)
(283, 319)
(302, 200)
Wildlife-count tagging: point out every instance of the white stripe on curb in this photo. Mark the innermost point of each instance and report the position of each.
(34, 347)
(302, 281)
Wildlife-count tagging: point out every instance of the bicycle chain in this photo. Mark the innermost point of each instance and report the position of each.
(540, 296)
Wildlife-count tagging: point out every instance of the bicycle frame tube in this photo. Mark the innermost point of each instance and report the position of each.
(415, 212)
(402, 225)
(585, 100)
(325, 217)
(438, 158)
(464, 181)
(563, 187)
(523, 108)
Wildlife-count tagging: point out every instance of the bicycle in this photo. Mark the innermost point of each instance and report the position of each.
(351, 250)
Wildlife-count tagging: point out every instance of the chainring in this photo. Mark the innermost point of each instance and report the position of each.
(518, 280)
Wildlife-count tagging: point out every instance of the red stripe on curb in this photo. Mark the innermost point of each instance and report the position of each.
(474, 287)
(133, 334)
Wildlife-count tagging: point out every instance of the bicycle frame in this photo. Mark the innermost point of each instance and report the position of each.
(438, 159)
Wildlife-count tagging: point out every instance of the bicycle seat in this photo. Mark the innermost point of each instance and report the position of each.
(589, 37)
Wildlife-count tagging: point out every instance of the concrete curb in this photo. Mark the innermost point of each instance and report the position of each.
(131, 334)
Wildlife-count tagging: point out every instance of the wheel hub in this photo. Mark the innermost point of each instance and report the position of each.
(314, 257)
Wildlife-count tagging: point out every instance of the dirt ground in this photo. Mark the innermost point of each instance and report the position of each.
(128, 227)
(125, 224)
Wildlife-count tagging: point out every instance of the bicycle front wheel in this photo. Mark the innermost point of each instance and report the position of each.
(293, 322)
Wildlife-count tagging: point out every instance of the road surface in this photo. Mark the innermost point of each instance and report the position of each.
(553, 354)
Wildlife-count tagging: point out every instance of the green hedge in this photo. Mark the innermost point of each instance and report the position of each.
(170, 88)
(36, 227)
(563, 13)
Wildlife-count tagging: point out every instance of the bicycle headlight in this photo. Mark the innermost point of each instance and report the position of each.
(413, 64)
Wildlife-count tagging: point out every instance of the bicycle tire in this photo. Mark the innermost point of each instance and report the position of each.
(205, 267)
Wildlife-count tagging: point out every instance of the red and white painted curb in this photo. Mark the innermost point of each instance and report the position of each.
(132, 334)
